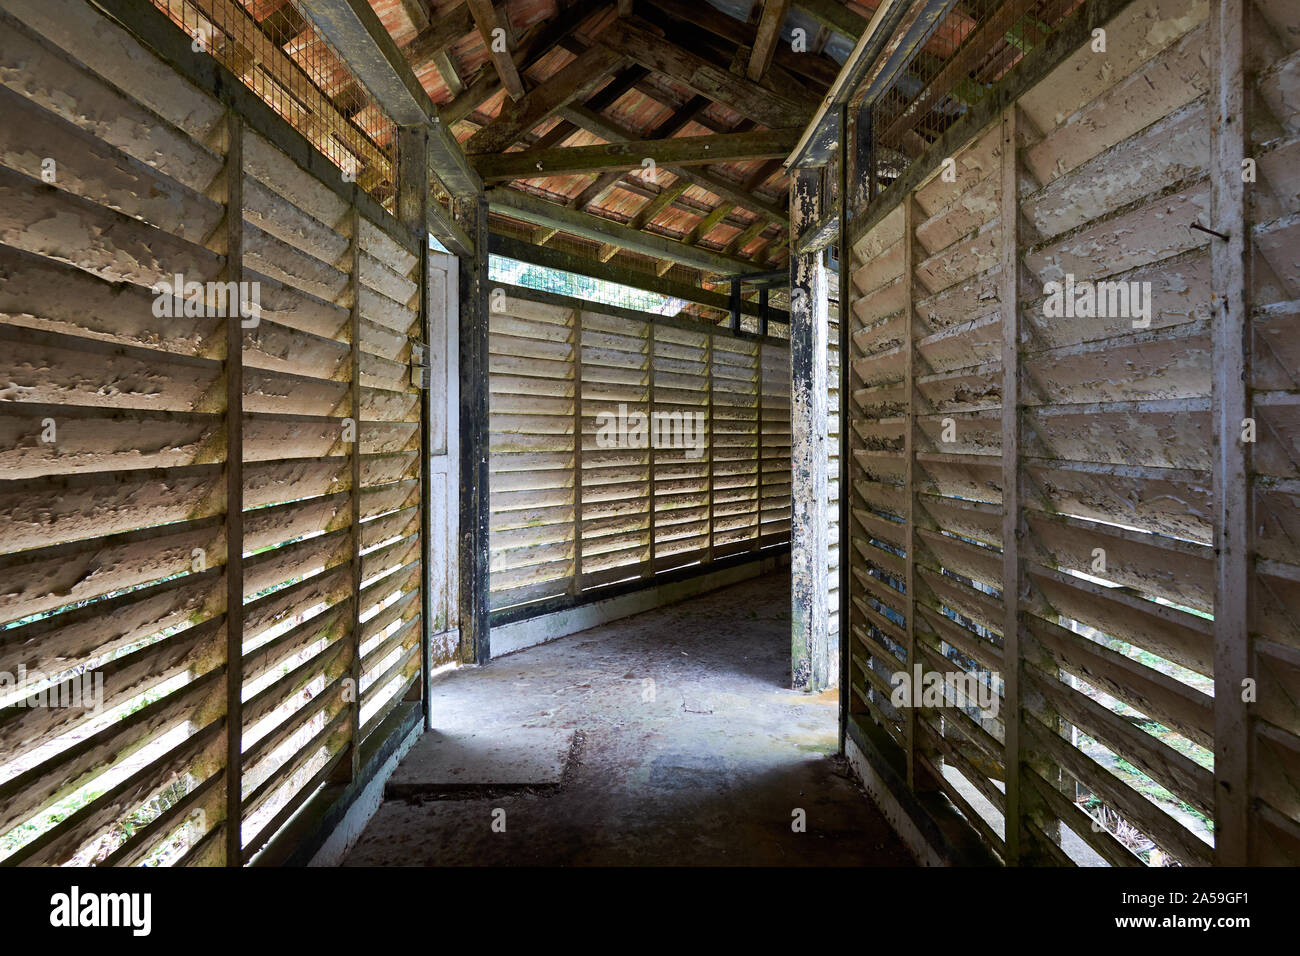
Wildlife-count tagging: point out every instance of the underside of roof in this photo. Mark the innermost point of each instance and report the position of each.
(653, 135)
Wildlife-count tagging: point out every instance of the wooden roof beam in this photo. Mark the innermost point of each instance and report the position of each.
(767, 38)
(417, 11)
(488, 23)
(835, 16)
(669, 127)
(367, 48)
(670, 152)
(749, 99)
(539, 212)
(821, 70)
(609, 94)
(607, 129)
(743, 238)
(535, 44)
(439, 36)
(705, 225)
(577, 80)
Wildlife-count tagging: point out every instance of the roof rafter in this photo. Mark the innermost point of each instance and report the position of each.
(534, 45)
(438, 36)
(835, 16)
(488, 23)
(767, 38)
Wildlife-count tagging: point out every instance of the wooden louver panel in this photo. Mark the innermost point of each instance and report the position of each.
(119, 454)
(585, 494)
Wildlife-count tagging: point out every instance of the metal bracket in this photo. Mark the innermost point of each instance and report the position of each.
(421, 376)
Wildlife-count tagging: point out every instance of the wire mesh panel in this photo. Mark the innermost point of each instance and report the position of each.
(275, 51)
(973, 47)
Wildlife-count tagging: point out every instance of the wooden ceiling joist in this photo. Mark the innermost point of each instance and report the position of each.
(674, 151)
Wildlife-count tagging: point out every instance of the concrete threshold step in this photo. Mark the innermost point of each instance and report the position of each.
(469, 763)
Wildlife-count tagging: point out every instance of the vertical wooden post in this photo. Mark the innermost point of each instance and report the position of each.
(1230, 407)
(577, 451)
(1009, 294)
(354, 393)
(758, 448)
(763, 310)
(650, 370)
(413, 213)
(234, 369)
(865, 156)
(809, 565)
(474, 510)
(909, 476)
(708, 372)
(845, 312)
(734, 302)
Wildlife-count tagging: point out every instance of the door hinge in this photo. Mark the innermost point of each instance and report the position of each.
(420, 373)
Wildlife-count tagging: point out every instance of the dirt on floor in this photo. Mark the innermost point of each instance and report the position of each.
(689, 748)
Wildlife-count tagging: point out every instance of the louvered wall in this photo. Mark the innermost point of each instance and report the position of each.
(1104, 475)
(571, 515)
(116, 427)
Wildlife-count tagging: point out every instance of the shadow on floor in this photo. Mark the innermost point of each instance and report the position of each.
(689, 748)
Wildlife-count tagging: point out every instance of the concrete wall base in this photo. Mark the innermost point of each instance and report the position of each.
(508, 638)
(923, 850)
(336, 846)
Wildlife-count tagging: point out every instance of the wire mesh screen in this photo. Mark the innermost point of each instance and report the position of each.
(273, 49)
(971, 49)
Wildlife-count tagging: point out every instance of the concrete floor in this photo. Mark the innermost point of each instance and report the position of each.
(709, 771)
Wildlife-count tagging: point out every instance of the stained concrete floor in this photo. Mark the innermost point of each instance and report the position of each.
(707, 769)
